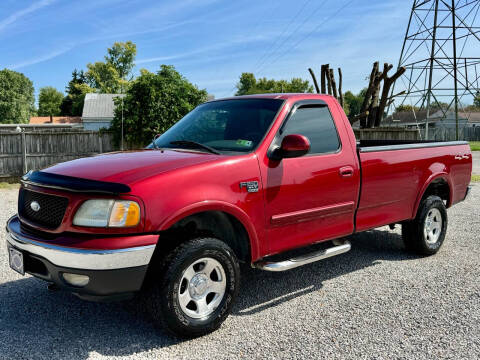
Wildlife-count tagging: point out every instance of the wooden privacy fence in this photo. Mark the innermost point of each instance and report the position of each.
(33, 150)
(383, 133)
(400, 133)
(449, 134)
(21, 152)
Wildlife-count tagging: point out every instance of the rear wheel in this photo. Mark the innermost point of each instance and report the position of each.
(425, 234)
(197, 288)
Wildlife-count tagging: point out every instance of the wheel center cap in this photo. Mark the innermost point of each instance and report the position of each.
(198, 285)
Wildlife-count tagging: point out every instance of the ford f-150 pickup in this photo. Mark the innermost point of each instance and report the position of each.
(244, 179)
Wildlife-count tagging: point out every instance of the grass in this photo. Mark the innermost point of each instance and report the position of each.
(5, 185)
(475, 145)
(475, 178)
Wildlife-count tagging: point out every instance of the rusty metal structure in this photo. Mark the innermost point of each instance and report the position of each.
(441, 54)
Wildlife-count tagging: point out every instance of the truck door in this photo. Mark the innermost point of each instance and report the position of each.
(313, 197)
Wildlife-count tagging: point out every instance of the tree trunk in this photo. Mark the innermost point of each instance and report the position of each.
(329, 80)
(340, 93)
(372, 111)
(322, 80)
(387, 84)
(314, 80)
(357, 117)
(334, 84)
(368, 95)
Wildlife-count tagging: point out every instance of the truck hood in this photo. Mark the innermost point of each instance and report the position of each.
(129, 167)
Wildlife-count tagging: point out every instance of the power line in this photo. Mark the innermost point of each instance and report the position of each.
(314, 12)
(313, 31)
(264, 15)
(272, 45)
(260, 20)
(306, 36)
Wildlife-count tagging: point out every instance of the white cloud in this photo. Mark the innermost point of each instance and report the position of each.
(207, 49)
(21, 13)
(41, 58)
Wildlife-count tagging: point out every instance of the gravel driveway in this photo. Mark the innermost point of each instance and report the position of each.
(375, 302)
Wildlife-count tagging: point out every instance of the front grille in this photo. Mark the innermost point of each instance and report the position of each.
(51, 212)
(44, 235)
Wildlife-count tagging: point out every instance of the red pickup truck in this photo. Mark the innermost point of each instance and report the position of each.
(244, 179)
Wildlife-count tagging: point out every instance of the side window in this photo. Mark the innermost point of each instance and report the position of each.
(316, 123)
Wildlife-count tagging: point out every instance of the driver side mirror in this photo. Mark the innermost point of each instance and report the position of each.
(292, 146)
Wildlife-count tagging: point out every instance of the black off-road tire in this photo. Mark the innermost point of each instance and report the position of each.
(162, 297)
(413, 231)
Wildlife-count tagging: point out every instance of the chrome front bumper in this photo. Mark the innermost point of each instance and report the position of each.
(85, 259)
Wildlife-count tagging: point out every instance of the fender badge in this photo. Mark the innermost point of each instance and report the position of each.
(251, 186)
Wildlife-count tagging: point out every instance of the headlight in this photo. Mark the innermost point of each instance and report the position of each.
(108, 213)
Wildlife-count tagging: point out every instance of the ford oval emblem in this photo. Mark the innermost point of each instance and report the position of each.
(35, 206)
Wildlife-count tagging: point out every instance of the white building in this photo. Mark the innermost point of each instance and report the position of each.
(98, 110)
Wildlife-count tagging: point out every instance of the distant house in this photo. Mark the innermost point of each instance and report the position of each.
(40, 120)
(437, 119)
(98, 110)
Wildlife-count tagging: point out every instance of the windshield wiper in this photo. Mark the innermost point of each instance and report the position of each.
(194, 144)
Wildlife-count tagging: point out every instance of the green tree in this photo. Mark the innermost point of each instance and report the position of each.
(104, 78)
(406, 108)
(248, 84)
(16, 97)
(476, 100)
(79, 100)
(49, 101)
(112, 75)
(153, 103)
(72, 104)
(122, 57)
(353, 103)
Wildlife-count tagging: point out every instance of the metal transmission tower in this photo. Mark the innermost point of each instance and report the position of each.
(441, 54)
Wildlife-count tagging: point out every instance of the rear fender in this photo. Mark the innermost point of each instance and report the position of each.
(442, 175)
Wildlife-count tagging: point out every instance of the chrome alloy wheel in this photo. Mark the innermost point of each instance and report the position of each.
(202, 288)
(432, 228)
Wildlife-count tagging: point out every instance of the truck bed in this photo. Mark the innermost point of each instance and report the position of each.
(395, 174)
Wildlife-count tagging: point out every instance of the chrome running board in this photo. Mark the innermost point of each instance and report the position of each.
(305, 259)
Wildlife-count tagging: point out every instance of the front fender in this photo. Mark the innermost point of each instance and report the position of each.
(215, 205)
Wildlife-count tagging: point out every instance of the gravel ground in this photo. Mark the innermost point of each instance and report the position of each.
(476, 162)
(375, 302)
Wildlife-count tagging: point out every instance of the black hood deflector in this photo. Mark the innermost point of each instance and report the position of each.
(70, 183)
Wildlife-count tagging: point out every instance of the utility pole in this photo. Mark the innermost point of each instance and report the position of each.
(440, 76)
(432, 59)
(455, 68)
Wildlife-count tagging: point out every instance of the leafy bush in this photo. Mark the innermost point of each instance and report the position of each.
(152, 104)
(16, 97)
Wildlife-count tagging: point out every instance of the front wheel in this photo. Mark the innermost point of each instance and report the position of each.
(198, 286)
(425, 234)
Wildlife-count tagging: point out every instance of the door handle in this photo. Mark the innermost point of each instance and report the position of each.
(346, 171)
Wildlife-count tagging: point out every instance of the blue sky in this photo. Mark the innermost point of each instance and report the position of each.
(211, 42)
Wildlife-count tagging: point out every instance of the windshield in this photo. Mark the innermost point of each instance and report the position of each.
(226, 125)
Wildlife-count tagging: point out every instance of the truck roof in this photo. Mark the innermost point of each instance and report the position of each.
(283, 96)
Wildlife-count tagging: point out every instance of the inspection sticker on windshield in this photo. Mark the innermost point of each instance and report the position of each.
(244, 142)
